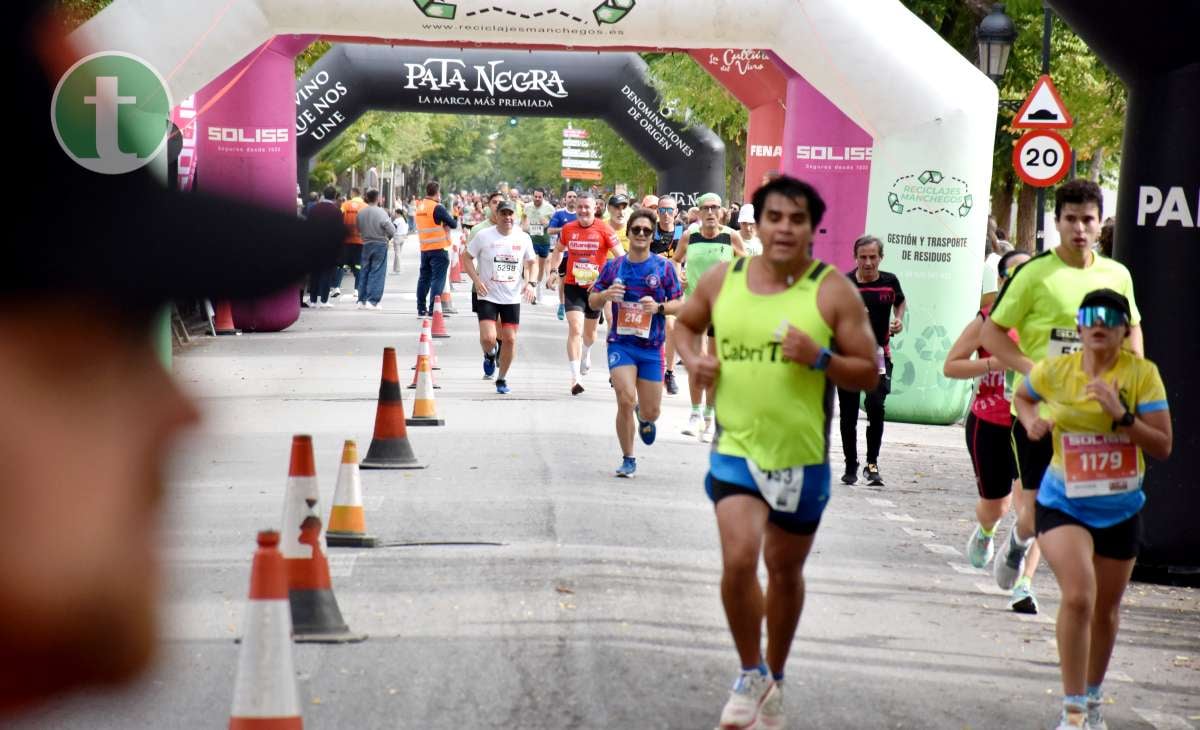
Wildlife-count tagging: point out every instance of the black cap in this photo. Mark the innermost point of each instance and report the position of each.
(129, 239)
(1107, 298)
(618, 199)
(506, 204)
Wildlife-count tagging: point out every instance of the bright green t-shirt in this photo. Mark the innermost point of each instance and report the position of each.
(1042, 299)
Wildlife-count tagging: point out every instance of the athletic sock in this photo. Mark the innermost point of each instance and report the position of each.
(708, 412)
(1094, 693)
(1023, 581)
(575, 370)
(1016, 539)
(1075, 703)
(695, 410)
(986, 532)
(587, 353)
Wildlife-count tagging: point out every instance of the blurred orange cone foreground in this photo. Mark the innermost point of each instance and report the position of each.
(347, 520)
(390, 448)
(265, 695)
(316, 617)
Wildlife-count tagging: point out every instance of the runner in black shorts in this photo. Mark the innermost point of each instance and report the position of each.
(989, 425)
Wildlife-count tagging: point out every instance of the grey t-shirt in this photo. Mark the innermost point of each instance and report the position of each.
(375, 225)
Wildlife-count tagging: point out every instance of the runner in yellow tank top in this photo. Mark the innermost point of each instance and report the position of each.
(779, 317)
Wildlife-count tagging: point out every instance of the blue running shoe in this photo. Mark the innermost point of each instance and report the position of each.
(627, 468)
(562, 311)
(502, 386)
(646, 429)
(489, 363)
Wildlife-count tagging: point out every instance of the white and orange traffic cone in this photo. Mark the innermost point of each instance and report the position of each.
(347, 520)
(448, 302)
(439, 322)
(316, 617)
(265, 696)
(427, 332)
(424, 350)
(424, 412)
(300, 498)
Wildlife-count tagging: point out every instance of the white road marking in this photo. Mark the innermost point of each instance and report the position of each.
(1163, 721)
(877, 502)
(1118, 676)
(967, 569)
(942, 550)
(342, 565)
(897, 518)
(919, 534)
(994, 590)
(372, 504)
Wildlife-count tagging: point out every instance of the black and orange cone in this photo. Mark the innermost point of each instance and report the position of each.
(265, 696)
(316, 617)
(390, 448)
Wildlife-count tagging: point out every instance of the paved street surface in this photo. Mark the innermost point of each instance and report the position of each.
(525, 587)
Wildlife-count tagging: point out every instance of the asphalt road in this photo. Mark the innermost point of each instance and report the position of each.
(527, 588)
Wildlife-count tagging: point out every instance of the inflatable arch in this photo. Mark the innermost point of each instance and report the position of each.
(929, 114)
(354, 78)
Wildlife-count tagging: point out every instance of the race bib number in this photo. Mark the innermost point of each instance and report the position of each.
(585, 272)
(505, 268)
(781, 488)
(537, 229)
(633, 319)
(1063, 342)
(1098, 464)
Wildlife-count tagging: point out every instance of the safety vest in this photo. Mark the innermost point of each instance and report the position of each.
(430, 233)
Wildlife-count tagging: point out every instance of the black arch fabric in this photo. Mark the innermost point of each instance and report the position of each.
(1153, 48)
(352, 79)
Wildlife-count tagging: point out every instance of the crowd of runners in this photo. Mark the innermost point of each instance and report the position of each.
(1064, 405)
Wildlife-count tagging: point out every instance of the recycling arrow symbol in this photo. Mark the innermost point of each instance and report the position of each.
(433, 9)
(613, 11)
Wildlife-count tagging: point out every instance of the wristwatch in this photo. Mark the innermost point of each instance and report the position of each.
(1126, 420)
(823, 359)
(662, 309)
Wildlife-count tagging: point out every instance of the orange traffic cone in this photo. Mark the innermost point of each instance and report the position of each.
(424, 350)
(224, 319)
(347, 522)
(424, 406)
(316, 618)
(439, 322)
(456, 271)
(448, 302)
(265, 695)
(300, 497)
(390, 448)
(426, 332)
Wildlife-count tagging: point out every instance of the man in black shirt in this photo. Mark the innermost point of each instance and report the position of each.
(884, 298)
(666, 239)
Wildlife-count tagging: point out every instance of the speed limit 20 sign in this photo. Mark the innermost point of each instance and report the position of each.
(1041, 158)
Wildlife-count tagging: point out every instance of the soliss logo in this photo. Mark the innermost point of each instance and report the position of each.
(247, 135)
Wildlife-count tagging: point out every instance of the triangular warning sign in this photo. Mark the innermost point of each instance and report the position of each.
(1043, 108)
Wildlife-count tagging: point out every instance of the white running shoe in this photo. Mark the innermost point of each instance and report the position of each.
(741, 711)
(770, 714)
(695, 425)
(586, 365)
(362, 305)
(709, 432)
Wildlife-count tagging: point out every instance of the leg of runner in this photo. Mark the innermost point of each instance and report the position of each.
(575, 323)
(848, 424)
(1112, 577)
(710, 399)
(488, 342)
(742, 522)
(1091, 587)
(624, 380)
(873, 403)
(784, 554)
(695, 424)
(589, 339)
(669, 359)
(992, 461)
(508, 353)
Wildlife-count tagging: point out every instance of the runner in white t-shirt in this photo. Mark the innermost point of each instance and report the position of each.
(499, 260)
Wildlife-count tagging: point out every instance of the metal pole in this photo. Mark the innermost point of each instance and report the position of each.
(1047, 27)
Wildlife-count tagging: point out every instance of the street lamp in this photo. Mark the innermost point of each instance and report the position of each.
(995, 36)
(362, 143)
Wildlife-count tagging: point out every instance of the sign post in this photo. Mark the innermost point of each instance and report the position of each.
(1041, 157)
